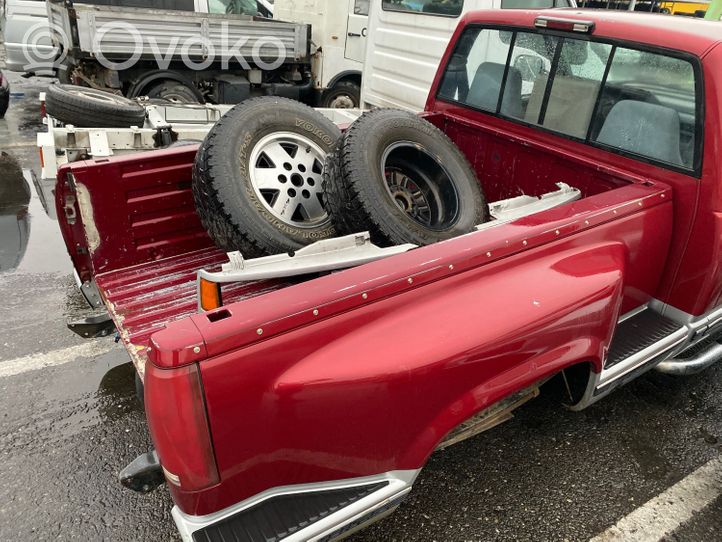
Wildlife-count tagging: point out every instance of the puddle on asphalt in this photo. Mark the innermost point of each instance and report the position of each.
(73, 401)
(14, 219)
(30, 239)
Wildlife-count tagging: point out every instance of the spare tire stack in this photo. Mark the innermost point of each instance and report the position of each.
(403, 180)
(274, 175)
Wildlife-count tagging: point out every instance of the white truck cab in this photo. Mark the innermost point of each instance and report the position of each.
(339, 34)
(409, 37)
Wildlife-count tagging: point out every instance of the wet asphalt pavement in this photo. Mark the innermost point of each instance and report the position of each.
(66, 430)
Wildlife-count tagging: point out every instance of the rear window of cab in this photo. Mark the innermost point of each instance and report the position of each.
(639, 102)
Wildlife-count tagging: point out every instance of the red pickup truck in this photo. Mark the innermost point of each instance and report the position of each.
(304, 408)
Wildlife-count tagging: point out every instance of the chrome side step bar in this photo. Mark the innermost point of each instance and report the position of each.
(651, 353)
(645, 339)
(693, 365)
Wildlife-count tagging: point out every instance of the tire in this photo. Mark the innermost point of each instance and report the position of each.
(173, 92)
(286, 213)
(344, 95)
(89, 108)
(403, 180)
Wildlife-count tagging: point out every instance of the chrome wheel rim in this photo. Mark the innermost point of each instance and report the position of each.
(286, 172)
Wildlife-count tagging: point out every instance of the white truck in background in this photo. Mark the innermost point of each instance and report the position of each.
(408, 39)
(62, 38)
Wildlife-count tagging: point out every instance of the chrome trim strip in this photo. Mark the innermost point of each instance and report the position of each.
(633, 313)
(399, 484)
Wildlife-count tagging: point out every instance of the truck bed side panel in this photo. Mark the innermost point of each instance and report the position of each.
(376, 388)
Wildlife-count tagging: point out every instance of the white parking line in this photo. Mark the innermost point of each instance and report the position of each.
(668, 511)
(34, 362)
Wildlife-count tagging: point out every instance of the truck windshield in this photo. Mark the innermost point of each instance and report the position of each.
(635, 102)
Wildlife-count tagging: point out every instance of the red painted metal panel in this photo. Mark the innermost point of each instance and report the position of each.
(481, 316)
(146, 298)
(141, 207)
(376, 388)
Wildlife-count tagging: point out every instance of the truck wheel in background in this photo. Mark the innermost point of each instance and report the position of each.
(90, 108)
(343, 95)
(403, 180)
(174, 92)
(257, 178)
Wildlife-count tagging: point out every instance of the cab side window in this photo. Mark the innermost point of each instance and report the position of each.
(449, 8)
(233, 7)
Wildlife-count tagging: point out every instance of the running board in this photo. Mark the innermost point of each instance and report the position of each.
(639, 343)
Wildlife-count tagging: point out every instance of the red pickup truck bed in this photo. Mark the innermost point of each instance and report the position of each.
(329, 396)
(146, 298)
(148, 277)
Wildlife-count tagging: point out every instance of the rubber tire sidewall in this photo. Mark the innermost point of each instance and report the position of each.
(88, 113)
(155, 92)
(358, 175)
(344, 87)
(224, 162)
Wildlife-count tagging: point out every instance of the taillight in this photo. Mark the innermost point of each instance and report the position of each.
(178, 424)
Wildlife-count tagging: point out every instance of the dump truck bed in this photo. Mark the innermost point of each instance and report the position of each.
(104, 30)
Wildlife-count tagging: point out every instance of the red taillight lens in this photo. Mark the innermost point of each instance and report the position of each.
(178, 423)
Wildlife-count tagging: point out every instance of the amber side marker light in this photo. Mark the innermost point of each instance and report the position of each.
(565, 25)
(210, 295)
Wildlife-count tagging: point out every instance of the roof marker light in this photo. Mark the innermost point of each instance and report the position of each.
(566, 25)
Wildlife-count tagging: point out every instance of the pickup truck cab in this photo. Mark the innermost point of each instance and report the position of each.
(305, 407)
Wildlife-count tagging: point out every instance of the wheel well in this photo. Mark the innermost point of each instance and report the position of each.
(145, 82)
(569, 385)
(353, 77)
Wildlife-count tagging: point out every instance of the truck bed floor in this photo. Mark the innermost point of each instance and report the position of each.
(145, 298)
